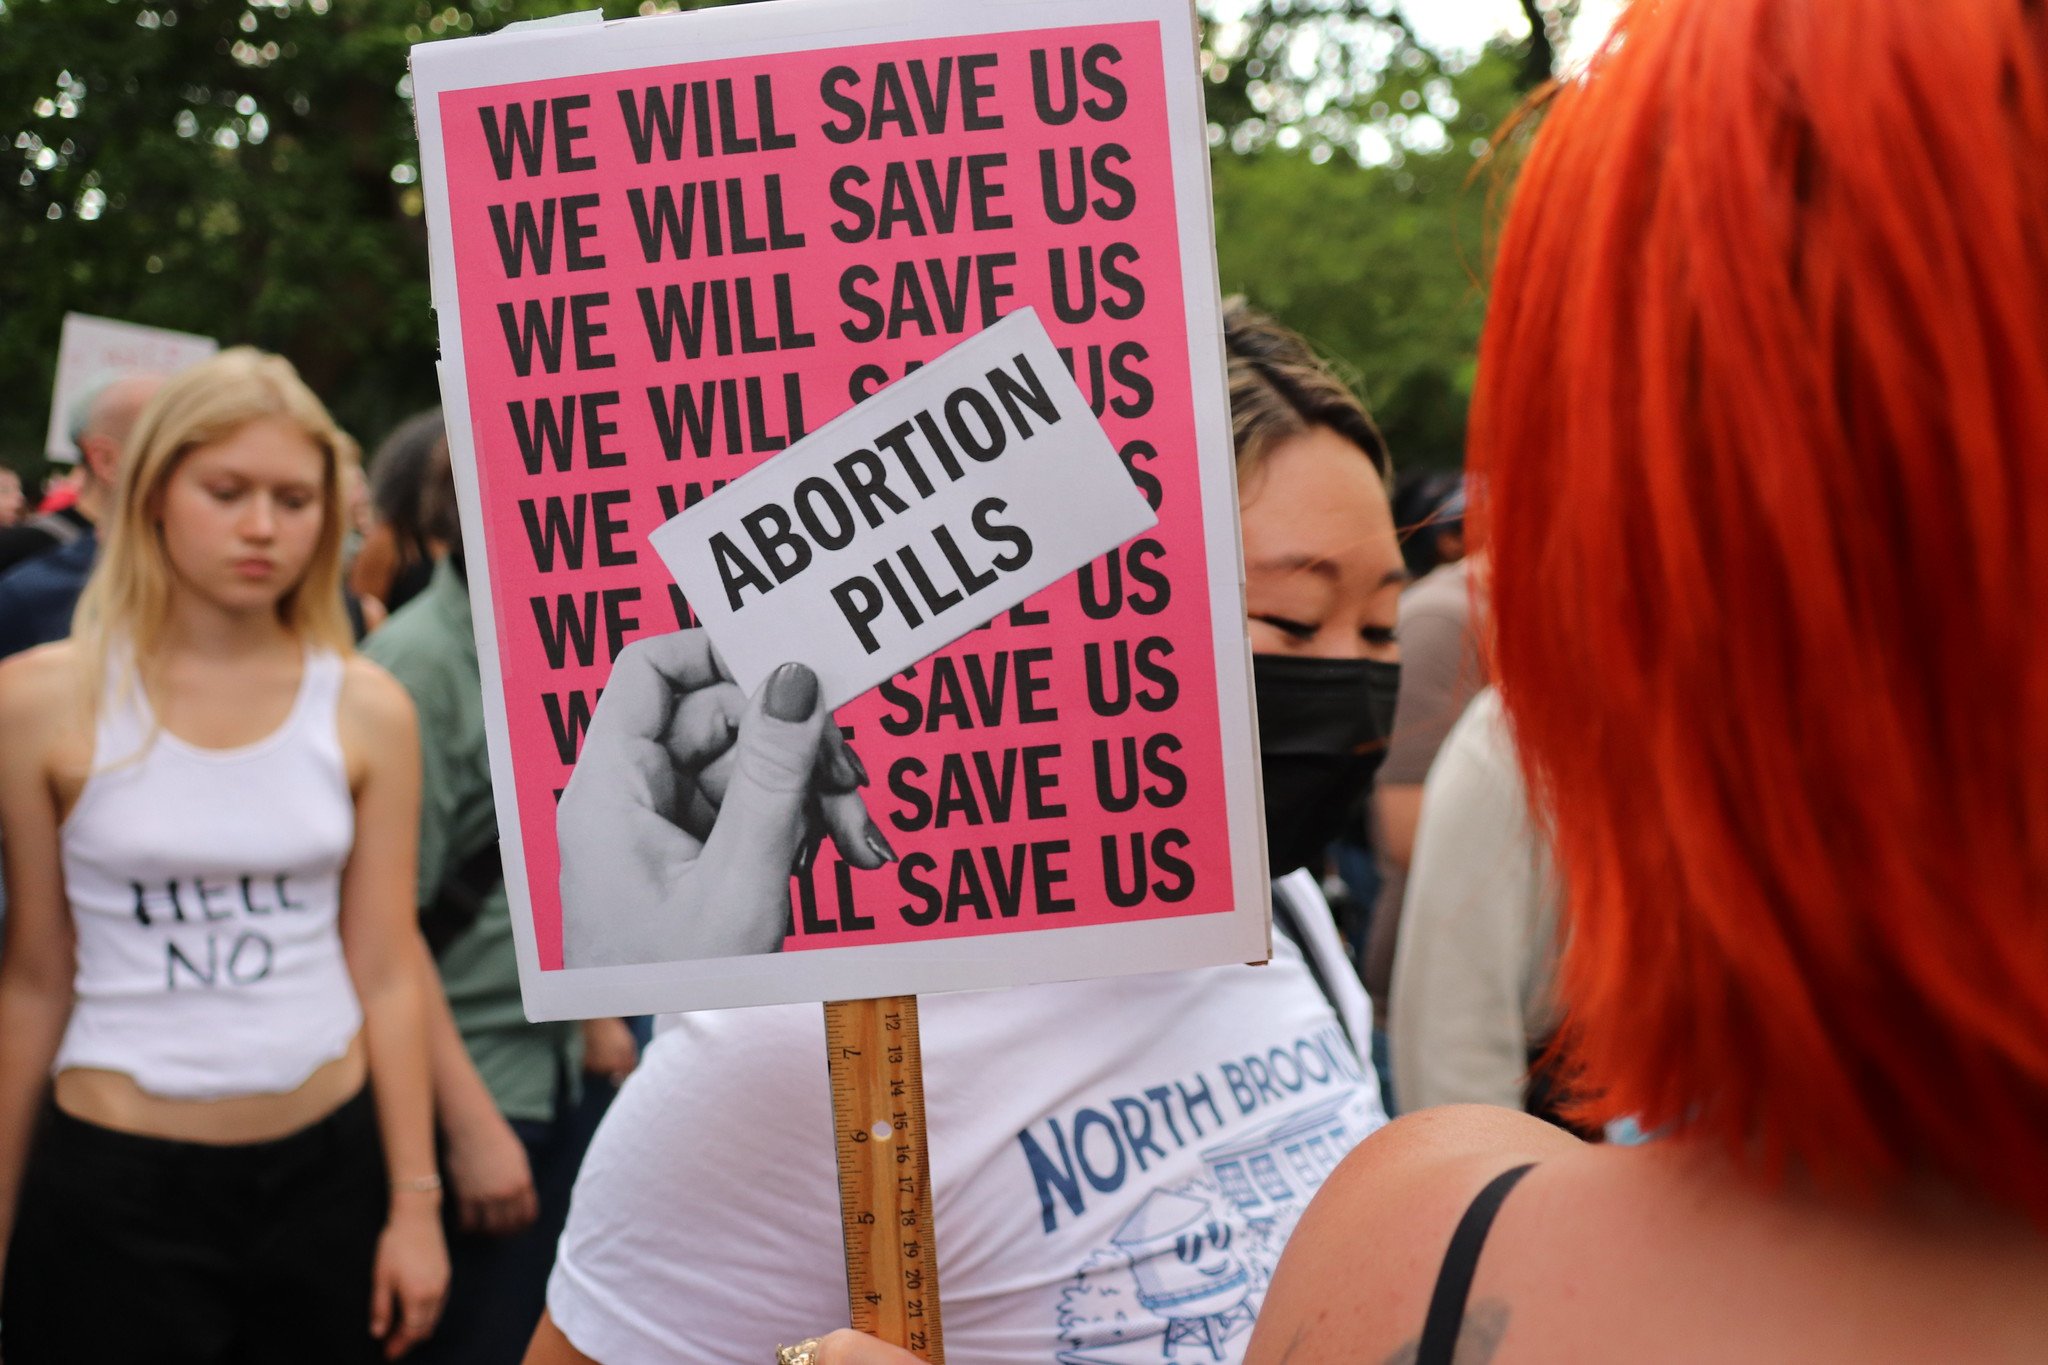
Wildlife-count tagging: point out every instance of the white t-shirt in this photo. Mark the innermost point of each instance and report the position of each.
(1115, 1166)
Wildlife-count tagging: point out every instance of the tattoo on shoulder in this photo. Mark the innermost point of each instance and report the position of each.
(1486, 1322)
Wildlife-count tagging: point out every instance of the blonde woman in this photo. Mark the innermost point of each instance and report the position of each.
(210, 809)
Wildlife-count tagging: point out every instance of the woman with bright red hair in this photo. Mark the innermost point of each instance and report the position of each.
(1761, 443)
(1762, 433)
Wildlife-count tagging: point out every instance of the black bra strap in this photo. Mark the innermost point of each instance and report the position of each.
(1454, 1280)
(1287, 919)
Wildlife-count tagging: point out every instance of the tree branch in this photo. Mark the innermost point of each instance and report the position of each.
(1539, 62)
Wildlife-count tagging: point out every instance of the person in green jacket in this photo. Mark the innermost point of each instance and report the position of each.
(516, 1101)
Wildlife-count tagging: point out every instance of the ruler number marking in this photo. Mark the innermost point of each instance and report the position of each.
(875, 1066)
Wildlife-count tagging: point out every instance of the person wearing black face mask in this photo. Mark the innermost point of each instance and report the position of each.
(1033, 1268)
(1323, 577)
(1323, 728)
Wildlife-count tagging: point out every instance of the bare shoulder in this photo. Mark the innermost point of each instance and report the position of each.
(39, 674)
(1636, 1253)
(372, 698)
(376, 718)
(41, 695)
(1449, 1135)
(1355, 1281)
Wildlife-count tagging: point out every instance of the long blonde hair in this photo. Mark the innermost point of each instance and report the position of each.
(127, 599)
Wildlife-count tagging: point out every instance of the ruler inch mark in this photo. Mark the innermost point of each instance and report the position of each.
(885, 1195)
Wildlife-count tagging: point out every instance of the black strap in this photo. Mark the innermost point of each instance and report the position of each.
(1454, 1279)
(1287, 919)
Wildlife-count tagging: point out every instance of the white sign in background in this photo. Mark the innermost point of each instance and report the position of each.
(93, 351)
(907, 521)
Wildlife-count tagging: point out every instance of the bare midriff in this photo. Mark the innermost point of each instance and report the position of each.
(112, 1099)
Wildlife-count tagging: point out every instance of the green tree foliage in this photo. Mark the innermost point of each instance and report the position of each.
(1352, 174)
(242, 168)
(248, 169)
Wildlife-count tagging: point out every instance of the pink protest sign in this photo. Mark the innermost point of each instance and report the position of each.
(666, 250)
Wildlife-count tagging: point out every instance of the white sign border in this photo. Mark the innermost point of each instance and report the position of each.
(979, 962)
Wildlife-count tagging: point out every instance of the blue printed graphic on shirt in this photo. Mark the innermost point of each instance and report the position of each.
(1182, 1275)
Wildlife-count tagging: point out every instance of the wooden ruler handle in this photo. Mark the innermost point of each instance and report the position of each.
(885, 1183)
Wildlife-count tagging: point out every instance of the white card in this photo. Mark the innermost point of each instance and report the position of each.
(945, 499)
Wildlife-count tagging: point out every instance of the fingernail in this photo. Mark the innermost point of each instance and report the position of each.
(878, 845)
(806, 853)
(860, 769)
(844, 774)
(792, 692)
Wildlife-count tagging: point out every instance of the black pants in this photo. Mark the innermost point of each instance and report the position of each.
(141, 1251)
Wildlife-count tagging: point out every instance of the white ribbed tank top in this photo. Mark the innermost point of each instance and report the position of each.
(204, 886)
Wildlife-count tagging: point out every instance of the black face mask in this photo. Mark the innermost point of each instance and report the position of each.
(1323, 729)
